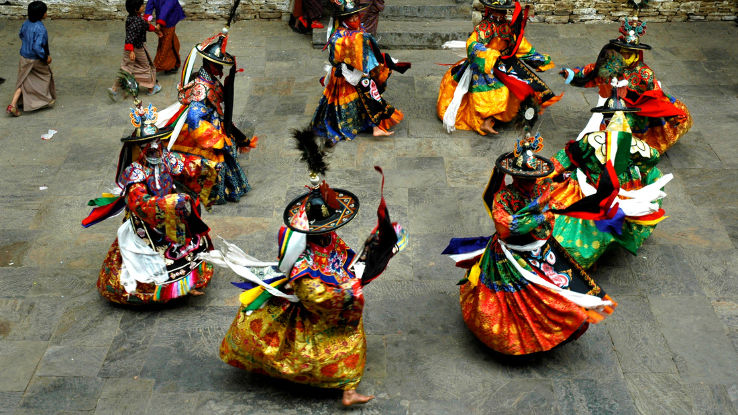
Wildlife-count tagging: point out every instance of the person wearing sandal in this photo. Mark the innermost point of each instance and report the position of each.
(35, 86)
(136, 59)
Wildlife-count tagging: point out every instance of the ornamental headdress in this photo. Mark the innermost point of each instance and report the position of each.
(144, 120)
(631, 31)
(145, 133)
(326, 209)
(522, 162)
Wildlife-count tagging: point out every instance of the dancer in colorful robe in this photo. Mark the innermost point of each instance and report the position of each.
(302, 321)
(352, 100)
(203, 120)
(522, 292)
(494, 83)
(154, 258)
(661, 119)
(582, 162)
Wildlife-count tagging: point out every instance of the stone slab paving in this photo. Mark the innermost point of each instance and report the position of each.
(669, 348)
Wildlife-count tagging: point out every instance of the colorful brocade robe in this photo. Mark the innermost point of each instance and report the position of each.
(506, 310)
(203, 135)
(348, 108)
(662, 119)
(635, 165)
(497, 86)
(169, 223)
(317, 341)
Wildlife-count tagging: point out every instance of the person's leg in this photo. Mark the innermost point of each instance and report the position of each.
(16, 97)
(175, 49)
(488, 125)
(13, 107)
(312, 11)
(370, 17)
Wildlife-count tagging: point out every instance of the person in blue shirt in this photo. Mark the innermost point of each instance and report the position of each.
(35, 86)
(168, 14)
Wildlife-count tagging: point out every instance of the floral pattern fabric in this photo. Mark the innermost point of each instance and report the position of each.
(317, 341)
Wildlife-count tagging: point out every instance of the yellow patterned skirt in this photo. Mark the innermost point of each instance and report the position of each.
(285, 340)
(500, 104)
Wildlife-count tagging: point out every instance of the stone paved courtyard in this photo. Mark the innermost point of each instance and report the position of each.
(670, 347)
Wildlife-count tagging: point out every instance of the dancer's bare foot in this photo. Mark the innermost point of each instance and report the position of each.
(487, 126)
(351, 397)
(378, 132)
(196, 292)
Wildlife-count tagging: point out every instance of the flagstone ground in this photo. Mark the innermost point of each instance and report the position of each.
(670, 347)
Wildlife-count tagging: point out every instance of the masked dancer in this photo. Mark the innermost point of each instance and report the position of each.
(203, 118)
(154, 258)
(352, 100)
(661, 119)
(522, 292)
(301, 319)
(495, 83)
(638, 204)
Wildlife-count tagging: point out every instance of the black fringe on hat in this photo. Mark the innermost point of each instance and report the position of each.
(232, 13)
(313, 150)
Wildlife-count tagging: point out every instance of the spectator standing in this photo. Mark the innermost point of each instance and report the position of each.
(35, 86)
(136, 59)
(168, 14)
(306, 15)
(370, 17)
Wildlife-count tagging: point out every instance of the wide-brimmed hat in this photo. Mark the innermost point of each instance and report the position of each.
(323, 208)
(326, 209)
(522, 162)
(214, 49)
(614, 103)
(143, 120)
(345, 8)
(498, 4)
(631, 31)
